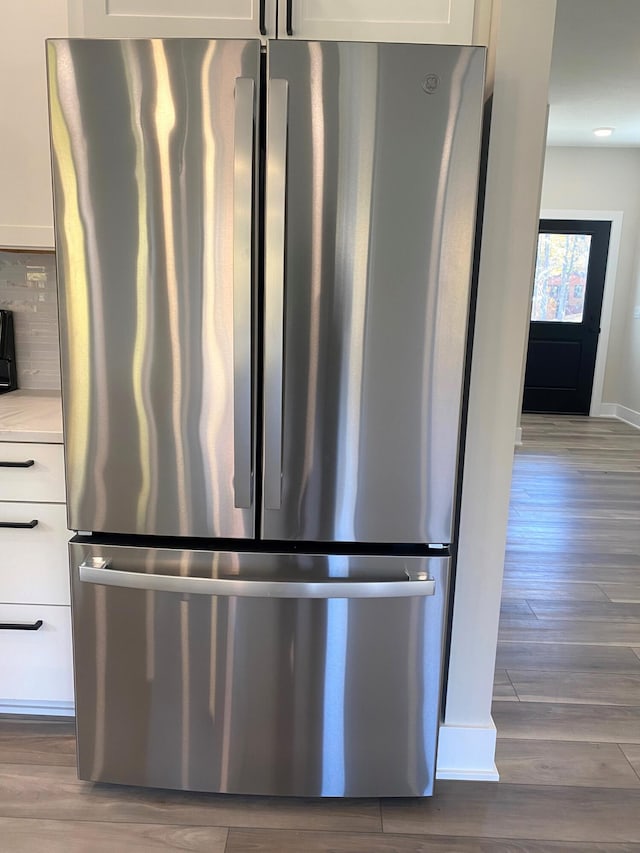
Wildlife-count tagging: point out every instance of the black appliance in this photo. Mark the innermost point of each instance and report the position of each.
(8, 375)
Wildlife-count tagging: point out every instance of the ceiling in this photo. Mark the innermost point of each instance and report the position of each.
(595, 73)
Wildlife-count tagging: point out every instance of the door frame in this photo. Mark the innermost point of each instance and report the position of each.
(615, 218)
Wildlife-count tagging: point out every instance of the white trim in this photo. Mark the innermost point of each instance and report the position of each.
(615, 217)
(518, 441)
(622, 413)
(467, 752)
(38, 709)
(26, 237)
(607, 410)
(629, 416)
(520, 54)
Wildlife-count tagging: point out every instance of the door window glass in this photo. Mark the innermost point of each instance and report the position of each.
(560, 278)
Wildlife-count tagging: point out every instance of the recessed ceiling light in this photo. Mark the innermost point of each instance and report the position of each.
(603, 131)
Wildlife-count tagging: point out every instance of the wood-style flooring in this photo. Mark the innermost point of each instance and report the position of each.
(567, 705)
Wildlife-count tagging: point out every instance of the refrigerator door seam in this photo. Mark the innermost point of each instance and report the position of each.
(276, 181)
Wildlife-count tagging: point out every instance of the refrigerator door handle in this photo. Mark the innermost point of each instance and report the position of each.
(96, 570)
(243, 163)
(275, 208)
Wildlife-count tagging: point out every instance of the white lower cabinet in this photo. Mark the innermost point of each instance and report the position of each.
(31, 472)
(33, 562)
(36, 672)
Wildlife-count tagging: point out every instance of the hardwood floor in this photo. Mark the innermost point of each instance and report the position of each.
(567, 705)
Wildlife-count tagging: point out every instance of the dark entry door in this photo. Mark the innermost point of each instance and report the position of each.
(565, 315)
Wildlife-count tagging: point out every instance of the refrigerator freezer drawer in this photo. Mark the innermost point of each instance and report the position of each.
(243, 693)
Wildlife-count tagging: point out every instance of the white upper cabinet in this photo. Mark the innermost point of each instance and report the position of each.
(172, 18)
(26, 208)
(423, 21)
(438, 21)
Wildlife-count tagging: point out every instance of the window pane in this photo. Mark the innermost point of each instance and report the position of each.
(561, 277)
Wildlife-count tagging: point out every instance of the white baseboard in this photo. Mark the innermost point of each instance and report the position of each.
(622, 413)
(607, 410)
(629, 416)
(518, 441)
(38, 709)
(464, 752)
(467, 752)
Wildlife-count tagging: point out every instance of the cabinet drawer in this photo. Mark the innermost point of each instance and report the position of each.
(36, 666)
(34, 566)
(41, 481)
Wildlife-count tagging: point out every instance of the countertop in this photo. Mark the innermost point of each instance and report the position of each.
(31, 416)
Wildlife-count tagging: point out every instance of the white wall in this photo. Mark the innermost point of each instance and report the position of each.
(26, 207)
(607, 179)
(522, 35)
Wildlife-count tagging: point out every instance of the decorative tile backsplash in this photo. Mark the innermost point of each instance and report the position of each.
(28, 288)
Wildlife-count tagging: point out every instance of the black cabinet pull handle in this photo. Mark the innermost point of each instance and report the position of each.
(20, 524)
(263, 28)
(26, 464)
(21, 626)
(289, 17)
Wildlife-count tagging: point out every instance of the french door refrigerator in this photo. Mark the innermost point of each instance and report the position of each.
(264, 266)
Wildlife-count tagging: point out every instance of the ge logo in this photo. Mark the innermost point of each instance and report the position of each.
(430, 83)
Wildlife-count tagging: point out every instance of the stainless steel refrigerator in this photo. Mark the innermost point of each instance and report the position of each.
(264, 265)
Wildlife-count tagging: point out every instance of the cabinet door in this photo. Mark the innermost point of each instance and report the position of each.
(34, 564)
(31, 472)
(422, 21)
(172, 18)
(26, 210)
(35, 659)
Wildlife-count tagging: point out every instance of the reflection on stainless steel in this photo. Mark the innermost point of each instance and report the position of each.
(316, 176)
(144, 331)
(211, 415)
(185, 693)
(70, 221)
(144, 187)
(276, 177)
(353, 225)
(334, 756)
(98, 708)
(259, 695)
(449, 260)
(382, 178)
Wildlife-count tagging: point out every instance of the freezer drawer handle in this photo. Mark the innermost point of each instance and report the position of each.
(20, 524)
(243, 159)
(96, 570)
(28, 464)
(21, 626)
(276, 178)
